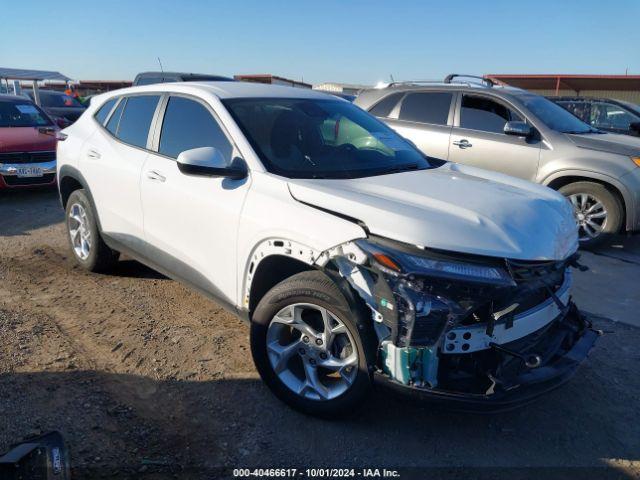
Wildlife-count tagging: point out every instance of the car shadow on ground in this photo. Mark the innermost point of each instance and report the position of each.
(27, 210)
(621, 247)
(133, 269)
(128, 424)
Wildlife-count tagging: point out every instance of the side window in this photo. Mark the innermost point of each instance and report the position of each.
(426, 107)
(479, 113)
(136, 119)
(112, 126)
(103, 112)
(384, 107)
(189, 124)
(609, 115)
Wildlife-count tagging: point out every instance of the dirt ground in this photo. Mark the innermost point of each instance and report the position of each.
(141, 375)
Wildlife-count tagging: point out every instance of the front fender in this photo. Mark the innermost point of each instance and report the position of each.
(629, 204)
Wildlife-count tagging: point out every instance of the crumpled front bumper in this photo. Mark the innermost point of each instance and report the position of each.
(557, 367)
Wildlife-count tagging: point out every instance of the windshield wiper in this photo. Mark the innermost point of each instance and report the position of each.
(582, 132)
(400, 169)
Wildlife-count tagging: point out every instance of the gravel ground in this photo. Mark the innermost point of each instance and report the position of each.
(141, 375)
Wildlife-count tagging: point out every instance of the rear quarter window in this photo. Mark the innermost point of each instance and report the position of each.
(103, 112)
(385, 106)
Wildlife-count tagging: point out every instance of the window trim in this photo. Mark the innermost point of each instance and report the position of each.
(450, 117)
(158, 121)
(499, 100)
(124, 98)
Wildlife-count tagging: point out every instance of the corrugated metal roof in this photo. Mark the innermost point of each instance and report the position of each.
(576, 83)
(21, 74)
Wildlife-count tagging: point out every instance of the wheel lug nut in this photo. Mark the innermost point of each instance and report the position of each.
(301, 351)
(312, 361)
(323, 356)
(305, 339)
(318, 341)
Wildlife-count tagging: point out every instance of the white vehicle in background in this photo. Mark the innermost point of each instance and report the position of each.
(353, 256)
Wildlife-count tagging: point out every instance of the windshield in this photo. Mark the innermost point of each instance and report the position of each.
(22, 114)
(554, 116)
(308, 138)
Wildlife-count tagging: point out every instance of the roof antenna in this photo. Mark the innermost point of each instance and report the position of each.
(160, 63)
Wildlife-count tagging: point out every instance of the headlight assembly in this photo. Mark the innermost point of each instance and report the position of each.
(429, 291)
(403, 259)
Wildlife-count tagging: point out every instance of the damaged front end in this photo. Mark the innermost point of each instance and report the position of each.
(484, 333)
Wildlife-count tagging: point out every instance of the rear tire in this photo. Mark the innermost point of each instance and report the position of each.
(321, 375)
(87, 246)
(598, 211)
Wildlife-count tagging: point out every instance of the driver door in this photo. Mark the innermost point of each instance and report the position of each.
(191, 221)
(478, 139)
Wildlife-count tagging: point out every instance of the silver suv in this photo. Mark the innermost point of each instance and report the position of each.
(521, 134)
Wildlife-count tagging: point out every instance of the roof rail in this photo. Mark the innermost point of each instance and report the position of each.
(488, 81)
(415, 82)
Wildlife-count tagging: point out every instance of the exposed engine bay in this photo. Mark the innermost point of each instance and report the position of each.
(466, 325)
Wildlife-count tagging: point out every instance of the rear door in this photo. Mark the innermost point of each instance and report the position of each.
(190, 221)
(426, 119)
(478, 138)
(112, 160)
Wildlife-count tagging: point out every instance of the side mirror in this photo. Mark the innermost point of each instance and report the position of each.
(209, 162)
(635, 126)
(518, 129)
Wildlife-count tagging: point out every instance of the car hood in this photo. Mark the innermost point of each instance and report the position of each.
(455, 208)
(608, 142)
(26, 139)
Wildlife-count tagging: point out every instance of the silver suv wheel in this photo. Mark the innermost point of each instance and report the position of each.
(591, 215)
(311, 351)
(79, 231)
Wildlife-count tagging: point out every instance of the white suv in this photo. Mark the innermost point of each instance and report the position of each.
(354, 257)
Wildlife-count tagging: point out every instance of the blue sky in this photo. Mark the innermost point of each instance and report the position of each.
(322, 40)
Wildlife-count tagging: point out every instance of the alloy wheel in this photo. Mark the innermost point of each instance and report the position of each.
(312, 352)
(79, 231)
(591, 215)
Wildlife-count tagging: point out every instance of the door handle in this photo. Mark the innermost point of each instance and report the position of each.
(93, 154)
(464, 143)
(155, 176)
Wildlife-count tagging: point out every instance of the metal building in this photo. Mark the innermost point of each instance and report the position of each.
(621, 87)
(272, 80)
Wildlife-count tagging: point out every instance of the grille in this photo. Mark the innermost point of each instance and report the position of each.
(27, 157)
(524, 272)
(14, 181)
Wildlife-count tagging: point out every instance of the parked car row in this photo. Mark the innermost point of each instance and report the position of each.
(355, 257)
(524, 135)
(27, 144)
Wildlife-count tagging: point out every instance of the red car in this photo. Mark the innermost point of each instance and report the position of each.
(27, 144)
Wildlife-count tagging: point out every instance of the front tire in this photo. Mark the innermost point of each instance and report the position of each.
(598, 212)
(307, 348)
(87, 246)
